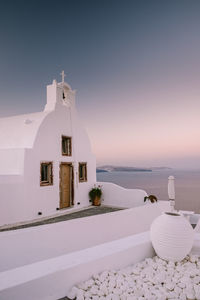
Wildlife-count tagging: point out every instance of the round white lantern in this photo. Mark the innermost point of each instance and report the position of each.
(172, 236)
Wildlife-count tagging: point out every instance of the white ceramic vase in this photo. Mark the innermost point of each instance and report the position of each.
(172, 236)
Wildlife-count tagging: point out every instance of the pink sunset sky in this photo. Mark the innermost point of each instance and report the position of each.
(135, 66)
(155, 126)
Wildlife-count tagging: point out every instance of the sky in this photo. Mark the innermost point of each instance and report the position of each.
(135, 66)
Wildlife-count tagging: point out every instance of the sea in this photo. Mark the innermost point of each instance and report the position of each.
(187, 185)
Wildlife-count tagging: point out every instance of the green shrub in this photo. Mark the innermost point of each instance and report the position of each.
(95, 192)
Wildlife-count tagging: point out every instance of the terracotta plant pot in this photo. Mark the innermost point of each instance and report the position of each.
(97, 201)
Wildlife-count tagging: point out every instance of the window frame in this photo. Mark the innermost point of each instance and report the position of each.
(66, 137)
(50, 175)
(83, 179)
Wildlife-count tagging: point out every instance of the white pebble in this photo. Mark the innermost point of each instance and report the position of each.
(152, 279)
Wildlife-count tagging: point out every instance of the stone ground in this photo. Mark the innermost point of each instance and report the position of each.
(80, 214)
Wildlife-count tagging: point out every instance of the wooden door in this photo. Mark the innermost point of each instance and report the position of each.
(66, 185)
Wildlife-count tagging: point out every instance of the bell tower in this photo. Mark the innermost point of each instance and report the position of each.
(59, 94)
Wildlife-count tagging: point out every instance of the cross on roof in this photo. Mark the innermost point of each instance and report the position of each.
(63, 76)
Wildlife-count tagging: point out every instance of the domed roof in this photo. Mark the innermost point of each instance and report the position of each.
(20, 131)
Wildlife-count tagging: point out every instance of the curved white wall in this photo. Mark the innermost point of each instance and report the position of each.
(115, 195)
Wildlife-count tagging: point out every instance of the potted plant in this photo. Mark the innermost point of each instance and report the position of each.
(95, 195)
(151, 198)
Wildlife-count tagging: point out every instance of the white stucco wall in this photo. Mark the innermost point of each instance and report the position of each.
(26, 141)
(11, 162)
(25, 246)
(11, 189)
(53, 278)
(46, 198)
(19, 132)
(115, 195)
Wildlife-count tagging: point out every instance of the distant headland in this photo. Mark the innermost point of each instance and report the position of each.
(110, 168)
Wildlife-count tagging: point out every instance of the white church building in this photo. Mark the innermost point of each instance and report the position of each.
(46, 162)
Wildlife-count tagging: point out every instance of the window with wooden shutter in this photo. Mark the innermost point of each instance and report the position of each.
(66, 145)
(46, 173)
(82, 172)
